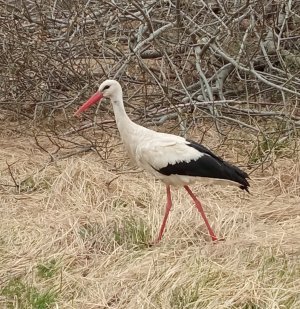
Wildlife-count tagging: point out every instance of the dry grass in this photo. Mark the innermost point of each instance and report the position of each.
(75, 236)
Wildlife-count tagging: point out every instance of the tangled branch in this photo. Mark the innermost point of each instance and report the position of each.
(235, 62)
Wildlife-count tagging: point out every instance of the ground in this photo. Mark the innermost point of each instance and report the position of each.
(75, 234)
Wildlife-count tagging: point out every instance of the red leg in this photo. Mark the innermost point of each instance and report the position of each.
(168, 207)
(199, 207)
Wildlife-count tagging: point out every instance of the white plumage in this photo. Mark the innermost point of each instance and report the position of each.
(157, 151)
(170, 158)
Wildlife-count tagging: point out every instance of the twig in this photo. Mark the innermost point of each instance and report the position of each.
(17, 186)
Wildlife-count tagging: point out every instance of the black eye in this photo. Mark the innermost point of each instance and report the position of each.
(106, 87)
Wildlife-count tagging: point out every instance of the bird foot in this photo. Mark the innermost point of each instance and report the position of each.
(216, 240)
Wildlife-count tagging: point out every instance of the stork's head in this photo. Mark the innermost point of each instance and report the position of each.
(108, 89)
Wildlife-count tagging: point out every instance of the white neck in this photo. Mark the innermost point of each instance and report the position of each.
(131, 133)
(124, 123)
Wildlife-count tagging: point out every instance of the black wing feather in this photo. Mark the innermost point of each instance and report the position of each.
(209, 165)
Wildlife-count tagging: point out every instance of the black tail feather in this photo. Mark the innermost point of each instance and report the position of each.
(237, 175)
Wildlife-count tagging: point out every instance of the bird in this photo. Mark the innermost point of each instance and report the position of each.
(174, 160)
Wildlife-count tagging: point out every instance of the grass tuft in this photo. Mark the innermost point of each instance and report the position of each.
(18, 294)
(132, 232)
(186, 297)
(251, 305)
(47, 270)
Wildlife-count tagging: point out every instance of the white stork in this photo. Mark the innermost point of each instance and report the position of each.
(170, 158)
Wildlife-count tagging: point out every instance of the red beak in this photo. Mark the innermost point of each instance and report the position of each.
(92, 100)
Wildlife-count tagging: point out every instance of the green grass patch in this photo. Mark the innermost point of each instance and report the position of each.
(47, 270)
(31, 185)
(89, 231)
(119, 203)
(251, 305)
(18, 294)
(186, 297)
(132, 231)
(266, 146)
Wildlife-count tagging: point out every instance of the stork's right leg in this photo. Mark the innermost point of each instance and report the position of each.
(167, 211)
(200, 209)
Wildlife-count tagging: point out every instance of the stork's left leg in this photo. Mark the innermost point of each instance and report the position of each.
(199, 207)
(168, 208)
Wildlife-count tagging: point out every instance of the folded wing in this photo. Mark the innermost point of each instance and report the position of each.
(183, 157)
